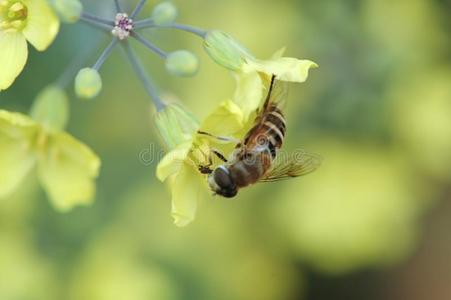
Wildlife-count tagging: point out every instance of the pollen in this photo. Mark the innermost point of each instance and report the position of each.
(123, 26)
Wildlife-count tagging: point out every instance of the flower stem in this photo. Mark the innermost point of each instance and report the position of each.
(148, 23)
(149, 44)
(105, 54)
(118, 6)
(138, 9)
(199, 32)
(137, 66)
(95, 24)
(97, 19)
(69, 73)
(144, 23)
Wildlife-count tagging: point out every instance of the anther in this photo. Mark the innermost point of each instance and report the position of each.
(123, 26)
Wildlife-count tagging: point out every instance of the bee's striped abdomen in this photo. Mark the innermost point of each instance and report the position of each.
(269, 131)
(275, 128)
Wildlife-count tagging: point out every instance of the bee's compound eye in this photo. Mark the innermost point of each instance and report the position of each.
(222, 178)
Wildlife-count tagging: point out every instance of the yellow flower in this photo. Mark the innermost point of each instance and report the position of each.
(255, 74)
(179, 168)
(21, 21)
(66, 168)
(251, 73)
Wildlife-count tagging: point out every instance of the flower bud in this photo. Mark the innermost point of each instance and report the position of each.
(68, 10)
(164, 13)
(182, 63)
(175, 125)
(225, 50)
(88, 83)
(51, 108)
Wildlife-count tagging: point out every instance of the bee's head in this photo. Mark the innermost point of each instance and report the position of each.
(222, 183)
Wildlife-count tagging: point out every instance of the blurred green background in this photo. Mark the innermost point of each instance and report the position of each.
(372, 223)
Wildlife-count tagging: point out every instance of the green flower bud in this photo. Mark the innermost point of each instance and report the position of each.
(182, 63)
(51, 108)
(225, 50)
(164, 14)
(88, 83)
(68, 10)
(175, 125)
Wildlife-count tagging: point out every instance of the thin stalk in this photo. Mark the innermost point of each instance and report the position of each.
(105, 54)
(138, 8)
(149, 44)
(143, 23)
(69, 73)
(191, 29)
(97, 19)
(148, 23)
(144, 77)
(96, 24)
(118, 6)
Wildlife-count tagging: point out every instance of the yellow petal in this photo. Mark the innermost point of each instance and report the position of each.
(67, 171)
(173, 161)
(42, 24)
(13, 56)
(248, 93)
(16, 157)
(226, 120)
(185, 189)
(285, 68)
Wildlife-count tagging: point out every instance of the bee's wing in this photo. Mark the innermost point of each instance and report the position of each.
(295, 165)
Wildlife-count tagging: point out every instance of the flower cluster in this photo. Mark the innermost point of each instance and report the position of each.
(179, 168)
(67, 168)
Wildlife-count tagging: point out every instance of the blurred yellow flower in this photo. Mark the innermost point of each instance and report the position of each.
(21, 21)
(66, 167)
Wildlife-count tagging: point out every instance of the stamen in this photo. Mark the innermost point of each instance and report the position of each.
(123, 26)
(14, 15)
(16, 7)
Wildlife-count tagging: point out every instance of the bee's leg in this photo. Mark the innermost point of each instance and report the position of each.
(206, 169)
(220, 138)
(219, 155)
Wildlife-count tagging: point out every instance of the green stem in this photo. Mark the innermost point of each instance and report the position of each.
(105, 54)
(138, 9)
(97, 19)
(148, 23)
(148, 85)
(118, 6)
(149, 44)
(95, 24)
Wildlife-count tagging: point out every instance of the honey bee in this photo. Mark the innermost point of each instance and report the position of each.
(254, 158)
